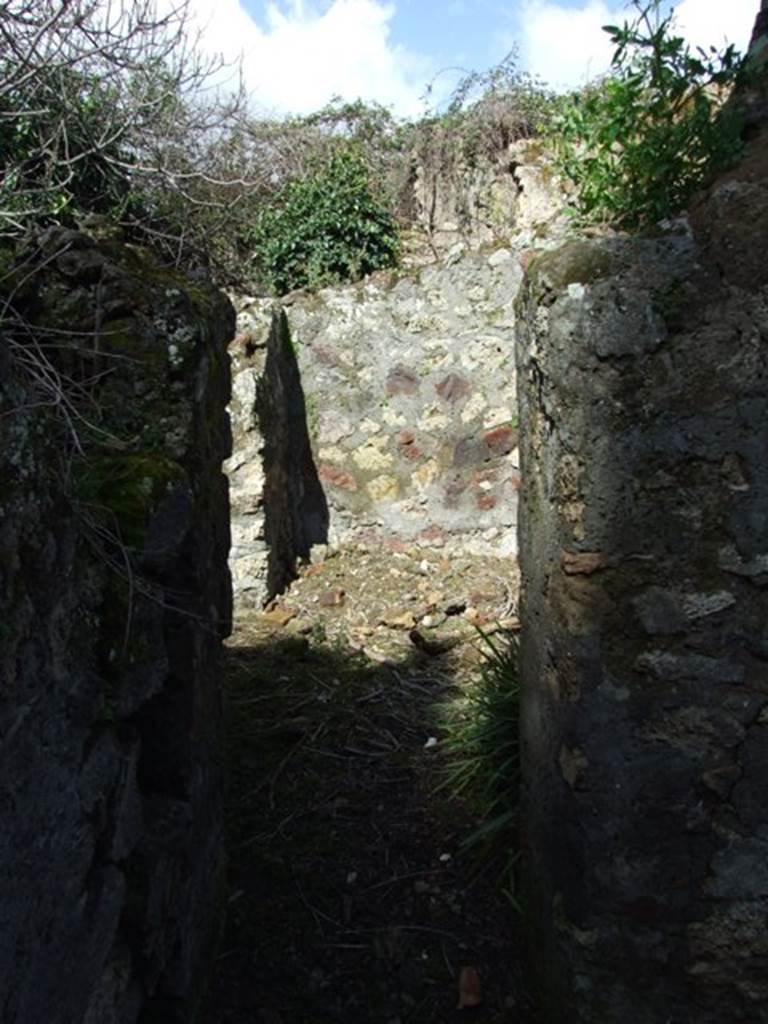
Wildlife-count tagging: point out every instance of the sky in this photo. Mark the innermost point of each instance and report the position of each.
(298, 54)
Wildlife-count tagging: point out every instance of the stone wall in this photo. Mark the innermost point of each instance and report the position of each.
(279, 508)
(512, 193)
(643, 369)
(114, 594)
(407, 384)
(294, 510)
(409, 401)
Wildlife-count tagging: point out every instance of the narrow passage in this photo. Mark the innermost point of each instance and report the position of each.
(350, 899)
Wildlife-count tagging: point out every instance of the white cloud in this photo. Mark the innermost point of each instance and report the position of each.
(566, 47)
(707, 23)
(302, 54)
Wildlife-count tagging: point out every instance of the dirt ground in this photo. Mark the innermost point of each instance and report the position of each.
(350, 897)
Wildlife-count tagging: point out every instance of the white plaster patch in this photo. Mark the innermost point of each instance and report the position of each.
(244, 387)
(475, 407)
(335, 428)
(470, 360)
(436, 345)
(496, 259)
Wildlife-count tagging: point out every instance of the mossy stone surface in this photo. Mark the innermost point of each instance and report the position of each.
(127, 488)
(578, 262)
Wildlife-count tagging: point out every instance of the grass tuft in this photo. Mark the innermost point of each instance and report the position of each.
(481, 744)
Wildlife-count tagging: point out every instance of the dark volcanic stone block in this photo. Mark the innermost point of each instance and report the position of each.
(114, 597)
(643, 376)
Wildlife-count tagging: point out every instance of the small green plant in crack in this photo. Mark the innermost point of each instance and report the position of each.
(319, 634)
(482, 753)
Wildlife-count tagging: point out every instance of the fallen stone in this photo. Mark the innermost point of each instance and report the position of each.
(373, 654)
(455, 607)
(399, 620)
(430, 646)
(457, 250)
(279, 616)
(332, 598)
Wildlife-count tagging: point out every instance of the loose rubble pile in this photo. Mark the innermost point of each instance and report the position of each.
(383, 604)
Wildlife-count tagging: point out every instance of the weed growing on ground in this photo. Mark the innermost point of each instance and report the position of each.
(482, 751)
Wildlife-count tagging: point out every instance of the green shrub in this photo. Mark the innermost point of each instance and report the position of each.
(325, 228)
(637, 145)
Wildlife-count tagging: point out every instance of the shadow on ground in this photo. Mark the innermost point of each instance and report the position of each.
(349, 898)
